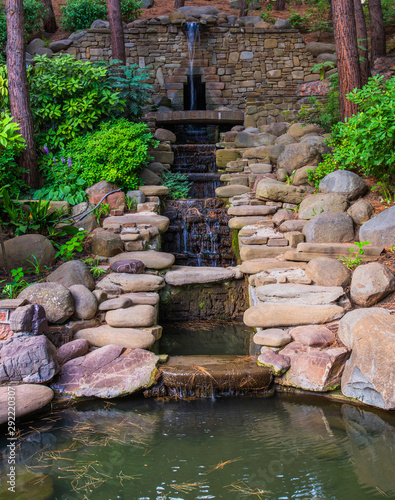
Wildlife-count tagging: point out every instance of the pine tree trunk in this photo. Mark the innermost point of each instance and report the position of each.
(18, 88)
(279, 5)
(377, 30)
(243, 8)
(116, 30)
(50, 25)
(362, 39)
(347, 54)
(179, 3)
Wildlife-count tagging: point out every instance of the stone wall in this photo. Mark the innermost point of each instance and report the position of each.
(235, 63)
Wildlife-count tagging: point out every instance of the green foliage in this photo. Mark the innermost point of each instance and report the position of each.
(131, 203)
(298, 21)
(9, 136)
(387, 191)
(131, 83)
(116, 152)
(94, 268)
(102, 210)
(178, 184)
(13, 289)
(11, 144)
(353, 259)
(265, 14)
(80, 14)
(72, 246)
(367, 140)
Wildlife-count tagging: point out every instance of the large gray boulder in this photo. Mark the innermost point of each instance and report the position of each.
(380, 230)
(344, 182)
(296, 156)
(74, 272)
(56, 300)
(371, 283)
(59, 45)
(361, 211)
(329, 227)
(27, 359)
(370, 372)
(107, 372)
(29, 247)
(318, 203)
(34, 45)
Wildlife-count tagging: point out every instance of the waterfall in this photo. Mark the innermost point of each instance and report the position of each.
(193, 35)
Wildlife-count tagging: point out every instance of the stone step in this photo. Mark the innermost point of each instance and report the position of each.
(185, 275)
(256, 266)
(251, 210)
(329, 248)
(131, 338)
(250, 252)
(206, 375)
(240, 222)
(131, 220)
(150, 258)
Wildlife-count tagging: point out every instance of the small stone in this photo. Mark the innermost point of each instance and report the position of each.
(361, 212)
(84, 300)
(313, 335)
(231, 190)
(74, 272)
(29, 319)
(154, 190)
(118, 303)
(130, 266)
(131, 282)
(278, 363)
(100, 295)
(129, 338)
(27, 248)
(272, 337)
(71, 350)
(143, 298)
(291, 293)
(329, 227)
(318, 203)
(132, 317)
(325, 271)
(150, 259)
(183, 275)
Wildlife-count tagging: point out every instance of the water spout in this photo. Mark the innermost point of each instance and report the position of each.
(193, 35)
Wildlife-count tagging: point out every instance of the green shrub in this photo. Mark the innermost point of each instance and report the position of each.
(178, 184)
(80, 14)
(367, 140)
(115, 153)
(298, 21)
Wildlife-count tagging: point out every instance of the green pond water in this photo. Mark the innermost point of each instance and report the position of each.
(282, 447)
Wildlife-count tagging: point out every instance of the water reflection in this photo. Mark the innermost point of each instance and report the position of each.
(276, 448)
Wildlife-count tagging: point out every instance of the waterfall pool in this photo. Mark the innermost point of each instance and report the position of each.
(284, 447)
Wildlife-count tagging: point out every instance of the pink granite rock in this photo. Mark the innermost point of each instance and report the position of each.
(313, 335)
(71, 350)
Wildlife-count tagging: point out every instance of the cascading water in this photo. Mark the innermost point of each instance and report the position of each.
(193, 35)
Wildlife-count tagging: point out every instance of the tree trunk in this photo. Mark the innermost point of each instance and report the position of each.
(50, 25)
(279, 5)
(347, 54)
(243, 8)
(179, 3)
(116, 30)
(18, 88)
(362, 39)
(377, 30)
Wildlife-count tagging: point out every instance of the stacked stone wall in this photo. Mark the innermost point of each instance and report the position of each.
(239, 65)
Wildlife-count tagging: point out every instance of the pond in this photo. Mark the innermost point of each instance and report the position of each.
(282, 447)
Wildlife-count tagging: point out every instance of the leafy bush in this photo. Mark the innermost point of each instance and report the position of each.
(115, 153)
(298, 21)
(178, 184)
(80, 14)
(367, 140)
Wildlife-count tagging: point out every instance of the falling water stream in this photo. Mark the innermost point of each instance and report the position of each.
(193, 34)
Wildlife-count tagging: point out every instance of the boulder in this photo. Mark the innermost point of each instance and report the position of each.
(89, 222)
(282, 24)
(251, 210)
(380, 230)
(371, 283)
(55, 298)
(345, 331)
(249, 20)
(150, 259)
(143, 298)
(150, 178)
(107, 372)
(29, 320)
(283, 215)
(85, 302)
(129, 220)
(301, 176)
(247, 140)
(27, 359)
(361, 212)
(325, 271)
(180, 275)
(313, 335)
(318, 203)
(275, 152)
(299, 130)
(29, 247)
(132, 282)
(59, 45)
(276, 362)
(102, 187)
(296, 156)
(34, 45)
(272, 337)
(276, 315)
(117, 303)
(158, 168)
(240, 222)
(329, 227)
(154, 190)
(318, 142)
(132, 317)
(314, 369)
(147, 4)
(161, 134)
(74, 272)
(317, 48)
(44, 51)
(293, 293)
(285, 140)
(370, 372)
(198, 12)
(138, 195)
(27, 397)
(277, 128)
(129, 338)
(106, 244)
(99, 24)
(292, 225)
(344, 182)
(276, 191)
(231, 190)
(325, 57)
(71, 350)
(130, 266)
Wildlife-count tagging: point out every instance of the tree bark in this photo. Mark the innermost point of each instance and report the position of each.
(362, 39)
(243, 8)
(279, 5)
(50, 25)
(347, 54)
(179, 3)
(116, 30)
(377, 30)
(18, 88)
